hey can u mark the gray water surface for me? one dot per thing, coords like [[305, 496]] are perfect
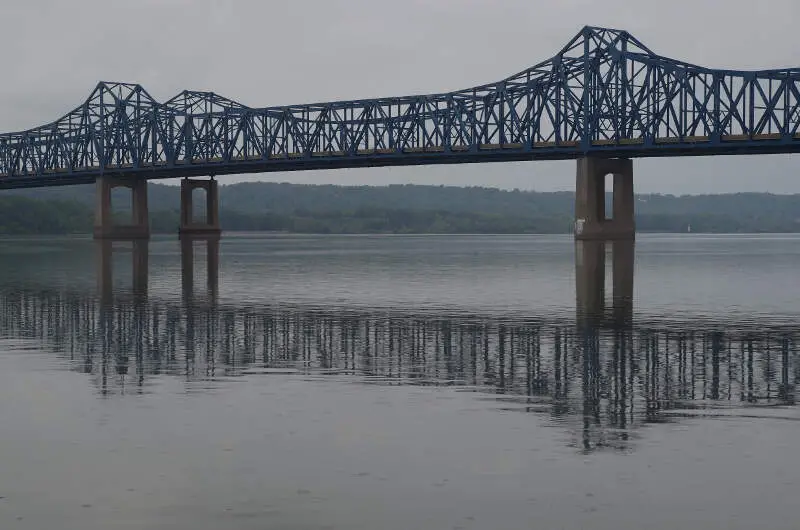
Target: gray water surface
[[395, 382]]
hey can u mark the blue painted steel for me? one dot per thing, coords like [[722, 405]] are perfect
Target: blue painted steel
[[604, 94]]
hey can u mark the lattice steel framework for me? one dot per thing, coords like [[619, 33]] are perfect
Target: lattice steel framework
[[603, 94]]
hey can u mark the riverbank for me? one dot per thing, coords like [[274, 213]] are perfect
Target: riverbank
[[402, 209]]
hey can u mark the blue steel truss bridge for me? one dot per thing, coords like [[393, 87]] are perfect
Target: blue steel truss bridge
[[603, 99]]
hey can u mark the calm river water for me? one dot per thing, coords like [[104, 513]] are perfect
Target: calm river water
[[400, 382]]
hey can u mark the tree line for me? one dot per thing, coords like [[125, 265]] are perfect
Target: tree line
[[397, 209]]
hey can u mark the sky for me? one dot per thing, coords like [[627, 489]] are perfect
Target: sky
[[264, 53]]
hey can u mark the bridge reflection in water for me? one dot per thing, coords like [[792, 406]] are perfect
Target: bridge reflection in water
[[600, 376]]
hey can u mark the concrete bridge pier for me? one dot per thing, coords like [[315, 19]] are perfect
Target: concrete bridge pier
[[188, 226], [104, 226], [591, 221]]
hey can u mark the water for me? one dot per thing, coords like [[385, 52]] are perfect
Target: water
[[399, 382]]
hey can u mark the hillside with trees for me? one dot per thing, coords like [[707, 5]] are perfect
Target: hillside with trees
[[298, 208]]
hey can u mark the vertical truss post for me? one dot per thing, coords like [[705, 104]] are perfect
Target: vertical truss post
[[588, 90]]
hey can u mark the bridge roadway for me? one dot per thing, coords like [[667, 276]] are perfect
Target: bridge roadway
[[603, 99]]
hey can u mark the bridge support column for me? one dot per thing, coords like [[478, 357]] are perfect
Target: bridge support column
[[104, 226], [590, 199], [188, 226]]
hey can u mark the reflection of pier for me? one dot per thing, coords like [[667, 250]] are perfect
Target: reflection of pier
[[590, 281], [140, 257], [109, 250], [188, 271]]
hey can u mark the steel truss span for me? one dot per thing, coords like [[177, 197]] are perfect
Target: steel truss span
[[604, 94]]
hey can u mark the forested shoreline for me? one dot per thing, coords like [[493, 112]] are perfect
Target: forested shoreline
[[400, 209]]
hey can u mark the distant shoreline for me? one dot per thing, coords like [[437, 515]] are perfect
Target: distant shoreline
[[88, 233], [398, 209]]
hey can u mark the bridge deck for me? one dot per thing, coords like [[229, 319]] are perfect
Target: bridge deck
[[508, 152]]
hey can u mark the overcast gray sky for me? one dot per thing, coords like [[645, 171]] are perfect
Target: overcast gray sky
[[263, 52]]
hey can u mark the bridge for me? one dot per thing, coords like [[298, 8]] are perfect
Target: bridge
[[604, 99]]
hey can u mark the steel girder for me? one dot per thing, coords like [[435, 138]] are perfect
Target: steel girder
[[604, 94]]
